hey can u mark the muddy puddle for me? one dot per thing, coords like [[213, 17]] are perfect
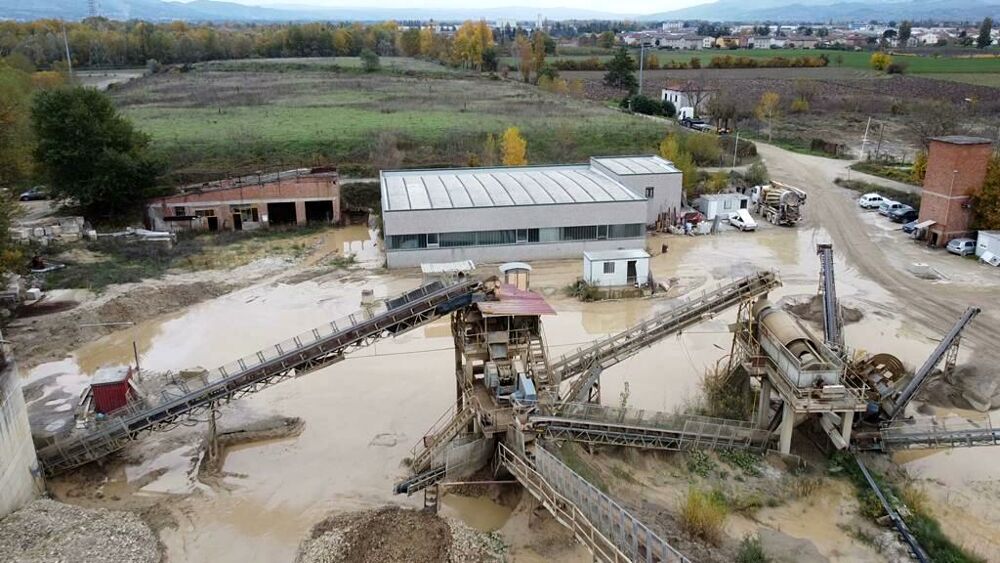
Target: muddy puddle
[[364, 414]]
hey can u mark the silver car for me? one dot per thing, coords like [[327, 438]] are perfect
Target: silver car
[[962, 246]]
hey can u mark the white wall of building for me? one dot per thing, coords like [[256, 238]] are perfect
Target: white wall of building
[[506, 253], [667, 190], [722, 205], [595, 272]]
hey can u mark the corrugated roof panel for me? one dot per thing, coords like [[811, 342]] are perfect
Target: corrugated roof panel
[[459, 196], [572, 188], [417, 193], [476, 191], [537, 192], [497, 192], [615, 190], [587, 182], [437, 193], [395, 190], [514, 189], [627, 165], [614, 165], [554, 189]]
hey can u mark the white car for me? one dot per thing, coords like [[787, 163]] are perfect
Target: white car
[[870, 201], [888, 206], [742, 220]]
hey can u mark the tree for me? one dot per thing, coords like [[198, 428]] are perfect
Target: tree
[[905, 32], [697, 92], [621, 71], [15, 128], [513, 148], [491, 151], [932, 119], [385, 153], [799, 105], [880, 60], [704, 149], [717, 182], [91, 154], [369, 60], [668, 109], [986, 202], [756, 175], [984, 39], [919, 170], [538, 51], [606, 40], [522, 49], [671, 150], [767, 110]]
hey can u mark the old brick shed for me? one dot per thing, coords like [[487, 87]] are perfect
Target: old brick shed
[[956, 169], [301, 196]]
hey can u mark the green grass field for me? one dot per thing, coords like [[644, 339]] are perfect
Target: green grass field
[[209, 123], [850, 59]]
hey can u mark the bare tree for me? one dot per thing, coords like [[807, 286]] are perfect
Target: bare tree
[[697, 91], [385, 153], [932, 119]]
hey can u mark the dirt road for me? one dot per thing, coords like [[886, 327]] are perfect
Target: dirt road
[[833, 208]]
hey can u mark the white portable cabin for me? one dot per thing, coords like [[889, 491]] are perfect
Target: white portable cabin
[[711, 205], [988, 247], [616, 268]]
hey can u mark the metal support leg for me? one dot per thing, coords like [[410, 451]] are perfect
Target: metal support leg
[[213, 436], [787, 424], [845, 427], [764, 403]]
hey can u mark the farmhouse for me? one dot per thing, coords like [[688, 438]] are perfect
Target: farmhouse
[[525, 212], [293, 197]]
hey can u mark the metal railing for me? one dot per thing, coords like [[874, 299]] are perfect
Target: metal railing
[[939, 433], [615, 348], [308, 351]]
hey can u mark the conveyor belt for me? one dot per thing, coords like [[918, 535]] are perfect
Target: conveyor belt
[[318, 348], [832, 324]]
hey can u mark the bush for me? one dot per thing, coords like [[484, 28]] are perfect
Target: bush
[[898, 67], [880, 61], [704, 516], [643, 104], [668, 109], [800, 105], [751, 551], [757, 174], [704, 149]]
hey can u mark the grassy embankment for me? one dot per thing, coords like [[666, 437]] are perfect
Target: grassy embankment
[[241, 116]]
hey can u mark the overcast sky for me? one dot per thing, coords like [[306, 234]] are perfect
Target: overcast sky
[[623, 7]]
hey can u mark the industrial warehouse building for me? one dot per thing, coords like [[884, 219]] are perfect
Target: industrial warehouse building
[[525, 212], [293, 197]]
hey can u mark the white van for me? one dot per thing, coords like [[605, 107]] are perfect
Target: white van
[[742, 220], [870, 201]]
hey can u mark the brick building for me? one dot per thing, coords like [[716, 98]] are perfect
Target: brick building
[[956, 169], [292, 197]]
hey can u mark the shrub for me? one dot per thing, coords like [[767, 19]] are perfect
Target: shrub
[[643, 104], [800, 105], [898, 67], [668, 109], [880, 61], [704, 516], [704, 149], [919, 168], [751, 551], [757, 174]]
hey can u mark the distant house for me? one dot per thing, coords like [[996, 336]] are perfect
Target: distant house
[[929, 38], [802, 42], [707, 42], [293, 197], [683, 97]]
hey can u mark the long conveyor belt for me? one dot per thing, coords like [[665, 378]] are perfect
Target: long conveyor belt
[[615, 348], [832, 323], [306, 352]]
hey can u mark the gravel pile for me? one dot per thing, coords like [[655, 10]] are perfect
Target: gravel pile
[[49, 531], [397, 535]]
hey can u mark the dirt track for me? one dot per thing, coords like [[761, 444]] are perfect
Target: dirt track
[[831, 208]]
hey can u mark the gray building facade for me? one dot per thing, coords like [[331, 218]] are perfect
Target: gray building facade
[[652, 177], [506, 213]]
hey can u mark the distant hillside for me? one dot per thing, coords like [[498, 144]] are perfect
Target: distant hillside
[[829, 10], [215, 10]]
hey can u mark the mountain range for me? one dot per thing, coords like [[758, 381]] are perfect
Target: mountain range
[[818, 11]]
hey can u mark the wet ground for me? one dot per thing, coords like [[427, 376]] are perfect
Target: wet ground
[[362, 415]]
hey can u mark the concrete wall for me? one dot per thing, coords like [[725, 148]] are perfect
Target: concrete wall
[[667, 190], [593, 272], [954, 172], [18, 465], [506, 253], [512, 217]]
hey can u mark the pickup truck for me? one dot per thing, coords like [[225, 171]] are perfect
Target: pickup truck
[[696, 124]]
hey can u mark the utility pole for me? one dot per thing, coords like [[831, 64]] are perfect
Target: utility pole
[[642, 60], [864, 140], [69, 61], [736, 147]]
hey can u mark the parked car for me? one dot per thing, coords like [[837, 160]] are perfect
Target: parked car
[[911, 226], [742, 220], [888, 206], [870, 200], [962, 246], [904, 214], [35, 193]]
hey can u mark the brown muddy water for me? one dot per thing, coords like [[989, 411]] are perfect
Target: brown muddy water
[[363, 415]]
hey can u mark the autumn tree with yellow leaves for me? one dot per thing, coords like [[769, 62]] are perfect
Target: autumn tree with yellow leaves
[[471, 41], [513, 148]]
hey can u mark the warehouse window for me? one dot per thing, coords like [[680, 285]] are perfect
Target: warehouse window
[[404, 242], [649, 192], [609, 267], [632, 230], [588, 232], [602, 232], [514, 236], [432, 239], [522, 236]]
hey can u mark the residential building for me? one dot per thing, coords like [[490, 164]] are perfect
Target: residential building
[[802, 42], [502, 214], [293, 197], [650, 177], [956, 169], [707, 42], [682, 97]]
